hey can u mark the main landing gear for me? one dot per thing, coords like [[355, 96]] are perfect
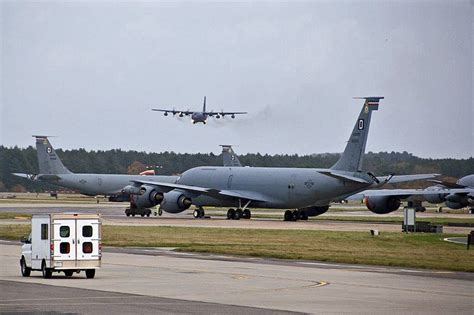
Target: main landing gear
[[199, 213], [237, 214], [135, 211], [295, 215]]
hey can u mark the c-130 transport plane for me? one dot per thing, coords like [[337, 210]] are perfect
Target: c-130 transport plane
[[198, 117]]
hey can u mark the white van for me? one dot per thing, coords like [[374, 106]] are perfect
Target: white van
[[62, 242]]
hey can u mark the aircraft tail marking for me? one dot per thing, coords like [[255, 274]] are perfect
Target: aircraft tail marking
[[352, 158], [48, 160]]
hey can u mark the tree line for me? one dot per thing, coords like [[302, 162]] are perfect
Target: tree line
[[24, 160]]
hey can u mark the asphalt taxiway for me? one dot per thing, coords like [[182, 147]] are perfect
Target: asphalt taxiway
[[154, 279]]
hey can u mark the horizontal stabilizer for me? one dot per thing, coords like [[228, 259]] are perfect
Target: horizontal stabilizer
[[344, 177]]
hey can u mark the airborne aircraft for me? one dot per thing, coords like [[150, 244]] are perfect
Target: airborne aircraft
[[199, 117]]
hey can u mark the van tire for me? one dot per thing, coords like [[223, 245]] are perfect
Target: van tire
[[68, 273], [25, 271], [90, 273], [47, 273]]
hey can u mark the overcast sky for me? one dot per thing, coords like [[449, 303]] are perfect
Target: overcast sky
[[89, 73]]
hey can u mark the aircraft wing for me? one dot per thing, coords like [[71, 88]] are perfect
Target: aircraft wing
[[232, 113], [406, 193], [173, 111], [216, 193], [405, 178], [447, 184]]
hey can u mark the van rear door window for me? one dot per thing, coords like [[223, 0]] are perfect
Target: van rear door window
[[87, 231], [64, 231], [64, 248]]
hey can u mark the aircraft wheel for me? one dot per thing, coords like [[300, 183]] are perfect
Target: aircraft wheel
[[303, 215], [246, 214], [142, 214], [230, 214], [148, 213], [25, 271], [133, 214], [238, 214], [202, 213], [160, 212], [127, 212], [196, 213], [68, 273], [288, 215], [296, 215]]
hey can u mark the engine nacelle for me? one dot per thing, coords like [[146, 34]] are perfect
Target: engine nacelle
[[382, 204], [131, 190], [434, 198], [314, 211], [148, 197], [454, 201], [119, 198], [175, 201]]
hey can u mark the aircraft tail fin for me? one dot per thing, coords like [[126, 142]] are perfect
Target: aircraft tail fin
[[48, 160], [352, 158], [229, 158], [204, 105]]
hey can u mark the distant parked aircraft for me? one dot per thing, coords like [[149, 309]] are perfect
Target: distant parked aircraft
[[198, 117]]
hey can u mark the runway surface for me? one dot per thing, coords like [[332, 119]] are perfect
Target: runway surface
[[112, 214], [157, 275]]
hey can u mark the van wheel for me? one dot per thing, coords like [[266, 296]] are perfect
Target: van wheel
[[90, 273], [25, 271], [47, 273], [68, 273]]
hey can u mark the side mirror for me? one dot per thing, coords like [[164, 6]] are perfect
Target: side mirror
[[25, 240]]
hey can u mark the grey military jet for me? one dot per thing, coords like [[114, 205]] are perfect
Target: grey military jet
[[309, 191], [198, 117], [119, 188], [455, 195]]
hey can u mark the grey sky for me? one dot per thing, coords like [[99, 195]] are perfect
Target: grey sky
[[89, 72]]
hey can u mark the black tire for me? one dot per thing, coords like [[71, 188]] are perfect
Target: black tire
[[238, 214], [202, 213], [296, 215], [47, 273], [68, 273], [247, 214], [128, 214], [303, 215], [230, 214], [288, 215], [142, 214], [133, 214], [160, 211], [90, 273], [25, 271], [196, 213]]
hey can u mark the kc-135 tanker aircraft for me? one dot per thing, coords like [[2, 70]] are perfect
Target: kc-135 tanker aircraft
[[302, 192]]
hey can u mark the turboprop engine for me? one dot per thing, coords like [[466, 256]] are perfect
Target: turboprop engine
[[148, 197], [382, 204], [175, 201]]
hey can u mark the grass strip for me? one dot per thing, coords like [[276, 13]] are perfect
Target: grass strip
[[389, 249]]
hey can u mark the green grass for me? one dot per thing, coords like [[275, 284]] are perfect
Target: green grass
[[389, 249], [13, 215]]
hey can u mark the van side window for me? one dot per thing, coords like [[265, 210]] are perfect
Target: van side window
[[87, 231], [64, 231], [44, 231]]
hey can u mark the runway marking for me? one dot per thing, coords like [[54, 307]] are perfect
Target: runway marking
[[70, 298]]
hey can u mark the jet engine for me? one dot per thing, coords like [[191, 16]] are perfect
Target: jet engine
[[131, 190], [175, 201], [314, 211], [434, 198], [382, 204], [455, 201], [148, 197]]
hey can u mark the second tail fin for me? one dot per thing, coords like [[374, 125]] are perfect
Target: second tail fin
[[351, 159], [48, 160]]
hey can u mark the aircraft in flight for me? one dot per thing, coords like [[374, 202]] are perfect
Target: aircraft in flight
[[455, 195], [309, 191], [198, 117]]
